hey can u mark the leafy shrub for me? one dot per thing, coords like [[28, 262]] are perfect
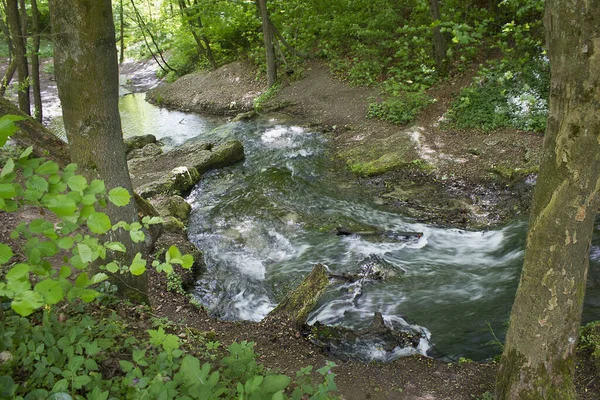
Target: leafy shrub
[[56, 349], [401, 110]]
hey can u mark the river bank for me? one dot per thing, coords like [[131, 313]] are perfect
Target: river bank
[[427, 170], [281, 346]]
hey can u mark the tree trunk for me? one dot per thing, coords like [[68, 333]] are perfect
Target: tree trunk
[[122, 31], [32, 133], [538, 358], [35, 62], [439, 44], [10, 72], [202, 42], [87, 77], [14, 22], [268, 39]]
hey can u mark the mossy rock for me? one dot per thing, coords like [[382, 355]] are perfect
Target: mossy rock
[[177, 182], [138, 142], [298, 304], [172, 224], [174, 206]]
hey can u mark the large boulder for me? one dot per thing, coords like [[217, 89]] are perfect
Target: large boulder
[[178, 181], [138, 142], [177, 171], [174, 206]]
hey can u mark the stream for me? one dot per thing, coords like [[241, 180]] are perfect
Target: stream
[[264, 223]]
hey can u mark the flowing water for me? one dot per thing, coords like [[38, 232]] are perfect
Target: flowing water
[[264, 223]]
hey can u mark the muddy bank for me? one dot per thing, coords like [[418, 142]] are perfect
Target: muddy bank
[[427, 170], [229, 90]]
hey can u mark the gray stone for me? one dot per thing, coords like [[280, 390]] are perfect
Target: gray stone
[[138, 142]]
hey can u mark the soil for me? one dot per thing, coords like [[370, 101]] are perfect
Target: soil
[[319, 99]]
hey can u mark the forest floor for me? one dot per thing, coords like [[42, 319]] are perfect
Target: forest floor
[[463, 173]]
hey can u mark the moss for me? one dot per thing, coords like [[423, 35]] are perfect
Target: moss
[[387, 162], [512, 173], [301, 301]]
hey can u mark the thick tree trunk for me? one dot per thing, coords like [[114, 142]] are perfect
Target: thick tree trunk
[[538, 358], [439, 43], [87, 77], [14, 22], [268, 39], [35, 62]]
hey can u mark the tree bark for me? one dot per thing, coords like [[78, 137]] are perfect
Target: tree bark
[[538, 359], [14, 22], [35, 62], [268, 40], [439, 43], [122, 31], [32, 133], [87, 77]]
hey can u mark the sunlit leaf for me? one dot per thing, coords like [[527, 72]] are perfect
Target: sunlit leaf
[[5, 253], [26, 302], [98, 222], [119, 196], [51, 290]]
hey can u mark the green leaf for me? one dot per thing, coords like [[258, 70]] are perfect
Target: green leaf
[[138, 266], [51, 290], [77, 183], [7, 191], [88, 199], [81, 381], [47, 168], [8, 168], [85, 252], [99, 223], [5, 253], [60, 396], [137, 236], [97, 186], [61, 386], [112, 267], [116, 246], [26, 302], [275, 383], [119, 196], [61, 205], [66, 243], [82, 280], [65, 272], [37, 183], [39, 225], [26, 153], [54, 179], [7, 387], [187, 261], [91, 365], [172, 253], [126, 366], [97, 278]]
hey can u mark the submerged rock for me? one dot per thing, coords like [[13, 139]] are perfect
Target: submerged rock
[[379, 341]]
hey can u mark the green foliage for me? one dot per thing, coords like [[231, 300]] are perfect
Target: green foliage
[[264, 97], [86, 355], [505, 95], [589, 339], [401, 110]]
